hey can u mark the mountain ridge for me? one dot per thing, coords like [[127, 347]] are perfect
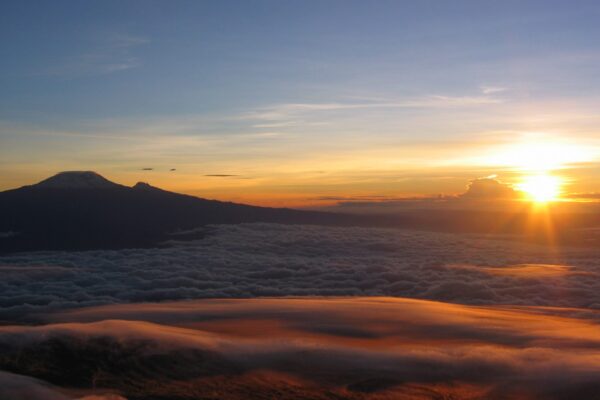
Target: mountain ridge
[[82, 210]]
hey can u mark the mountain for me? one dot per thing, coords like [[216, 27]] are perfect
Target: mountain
[[79, 210], [77, 180]]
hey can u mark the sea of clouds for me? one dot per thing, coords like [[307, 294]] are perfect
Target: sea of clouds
[[279, 311], [311, 348], [255, 260]]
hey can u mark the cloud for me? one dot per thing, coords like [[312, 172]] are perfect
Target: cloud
[[290, 111], [536, 271], [368, 198], [482, 194], [584, 196], [486, 89], [113, 52], [351, 348], [251, 260], [220, 175], [105, 319], [17, 387], [490, 189]]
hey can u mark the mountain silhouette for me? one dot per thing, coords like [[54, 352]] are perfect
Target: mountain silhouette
[[81, 210], [78, 210]]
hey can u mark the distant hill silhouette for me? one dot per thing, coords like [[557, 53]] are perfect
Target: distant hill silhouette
[[83, 210]]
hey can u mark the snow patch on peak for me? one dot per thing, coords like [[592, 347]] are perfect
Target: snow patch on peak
[[77, 180]]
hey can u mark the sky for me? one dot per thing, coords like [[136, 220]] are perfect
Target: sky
[[297, 103]]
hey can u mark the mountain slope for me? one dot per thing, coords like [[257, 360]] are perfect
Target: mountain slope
[[83, 210]]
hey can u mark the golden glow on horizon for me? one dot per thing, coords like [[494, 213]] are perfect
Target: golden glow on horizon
[[541, 156], [536, 159], [541, 188], [385, 172]]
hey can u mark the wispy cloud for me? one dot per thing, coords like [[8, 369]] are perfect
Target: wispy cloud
[[109, 54], [287, 110], [220, 175], [486, 89]]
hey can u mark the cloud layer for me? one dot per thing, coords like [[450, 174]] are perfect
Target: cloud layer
[[345, 348], [19, 387], [104, 324], [250, 260]]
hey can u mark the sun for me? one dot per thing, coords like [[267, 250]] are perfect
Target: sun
[[541, 188], [541, 164]]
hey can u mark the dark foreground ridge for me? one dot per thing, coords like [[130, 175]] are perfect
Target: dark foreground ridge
[[80, 210]]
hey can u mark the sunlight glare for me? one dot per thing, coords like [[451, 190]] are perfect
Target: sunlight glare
[[541, 188], [541, 157]]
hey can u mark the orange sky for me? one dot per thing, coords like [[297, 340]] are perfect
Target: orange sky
[[373, 172]]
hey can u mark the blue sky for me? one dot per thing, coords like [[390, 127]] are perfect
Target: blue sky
[[262, 89]]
